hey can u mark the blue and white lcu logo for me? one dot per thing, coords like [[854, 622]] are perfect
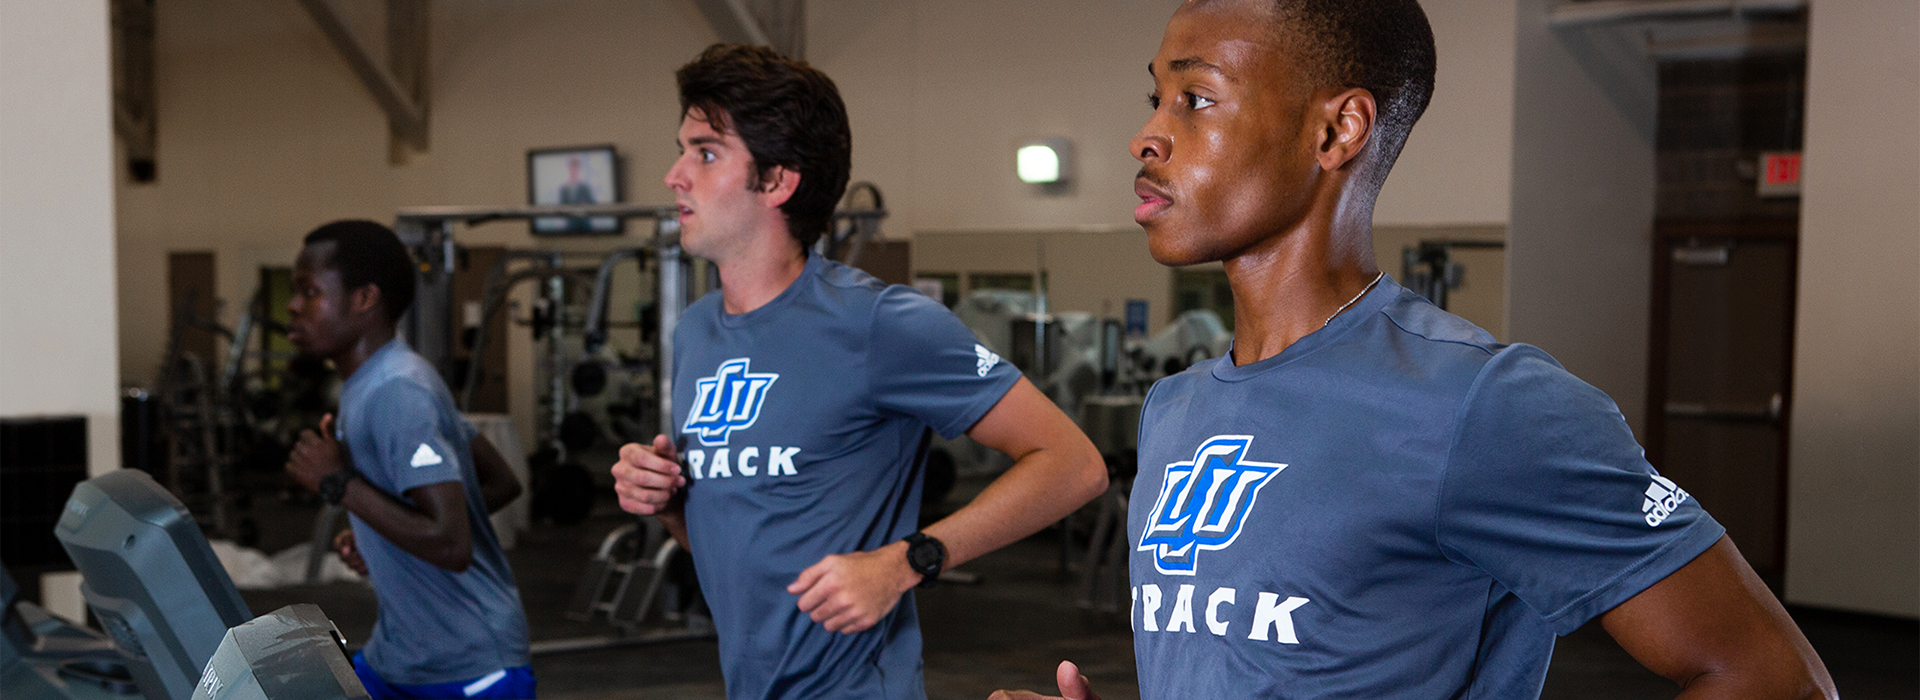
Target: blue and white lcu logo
[[727, 401], [1204, 503]]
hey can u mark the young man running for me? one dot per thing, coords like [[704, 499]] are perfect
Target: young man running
[[1371, 498], [415, 477], [803, 389]]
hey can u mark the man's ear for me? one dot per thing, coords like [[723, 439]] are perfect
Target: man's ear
[[1346, 125], [777, 185], [364, 298]]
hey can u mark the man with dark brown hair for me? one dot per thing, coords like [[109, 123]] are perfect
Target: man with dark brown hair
[[1372, 498], [804, 390]]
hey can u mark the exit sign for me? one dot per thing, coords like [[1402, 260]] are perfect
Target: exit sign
[[1779, 175]]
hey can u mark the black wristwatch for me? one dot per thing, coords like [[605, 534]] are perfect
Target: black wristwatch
[[333, 487], [926, 556]]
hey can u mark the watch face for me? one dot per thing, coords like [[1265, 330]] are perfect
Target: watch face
[[333, 487], [924, 555]]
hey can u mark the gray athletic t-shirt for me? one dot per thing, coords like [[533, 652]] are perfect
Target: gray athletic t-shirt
[[435, 626], [800, 426], [1396, 506]]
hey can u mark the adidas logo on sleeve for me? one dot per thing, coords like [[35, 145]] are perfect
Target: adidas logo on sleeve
[[985, 359], [425, 457], [1663, 497]]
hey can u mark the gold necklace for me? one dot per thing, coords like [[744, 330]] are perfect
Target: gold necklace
[[1356, 297]]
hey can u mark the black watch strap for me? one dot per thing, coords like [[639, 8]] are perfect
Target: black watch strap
[[926, 556], [333, 487]]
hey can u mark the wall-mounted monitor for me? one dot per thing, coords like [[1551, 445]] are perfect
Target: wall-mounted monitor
[[574, 175]]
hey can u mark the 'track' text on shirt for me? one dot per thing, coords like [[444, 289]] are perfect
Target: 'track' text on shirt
[[727, 462], [1272, 617]]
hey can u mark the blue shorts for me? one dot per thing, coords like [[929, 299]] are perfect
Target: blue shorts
[[510, 683]]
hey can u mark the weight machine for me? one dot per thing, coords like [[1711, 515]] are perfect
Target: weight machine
[[1429, 268], [218, 423]]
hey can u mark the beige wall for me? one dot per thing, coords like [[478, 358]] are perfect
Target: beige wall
[[1457, 167], [942, 92], [1854, 494], [1577, 250], [56, 219]]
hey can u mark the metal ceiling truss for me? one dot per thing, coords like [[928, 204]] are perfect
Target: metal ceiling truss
[[1575, 13], [133, 86], [781, 24], [402, 87], [1669, 30], [1620, 43]]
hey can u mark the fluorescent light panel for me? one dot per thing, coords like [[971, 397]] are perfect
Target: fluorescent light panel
[[1038, 163]]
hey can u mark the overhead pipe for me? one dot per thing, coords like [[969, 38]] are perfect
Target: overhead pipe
[[1569, 15]]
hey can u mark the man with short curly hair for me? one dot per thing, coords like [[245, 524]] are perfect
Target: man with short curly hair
[[417, 480], [804, 390], [1370, 497]]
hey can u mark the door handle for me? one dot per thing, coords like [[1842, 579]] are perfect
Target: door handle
[[1768, 412]]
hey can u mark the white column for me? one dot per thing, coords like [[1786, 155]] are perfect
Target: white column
[[58, 344], [1853, 499]]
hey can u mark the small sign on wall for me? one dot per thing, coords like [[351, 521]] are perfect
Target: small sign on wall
[[1779, 174], [1136, 318]]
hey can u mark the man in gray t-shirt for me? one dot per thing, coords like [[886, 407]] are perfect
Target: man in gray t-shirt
[[1370, 497], [415, 477], [802, 392]]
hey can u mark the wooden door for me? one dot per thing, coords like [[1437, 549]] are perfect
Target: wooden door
[[1721, 375], [190, 292]]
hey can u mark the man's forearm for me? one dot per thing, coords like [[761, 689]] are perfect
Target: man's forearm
[[1055, 470], [1042, 487], [443, 542]]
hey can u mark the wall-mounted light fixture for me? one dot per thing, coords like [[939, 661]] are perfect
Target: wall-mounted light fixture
[[1046, 162]]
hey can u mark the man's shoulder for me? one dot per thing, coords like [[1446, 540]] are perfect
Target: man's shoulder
[[402, 383], [1436, 352], [839, 275], [1413, 315], [892, 308], [402, 369]]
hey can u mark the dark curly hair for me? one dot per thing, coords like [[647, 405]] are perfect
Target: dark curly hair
[[365, 252], [1384, 46], [788, 113]]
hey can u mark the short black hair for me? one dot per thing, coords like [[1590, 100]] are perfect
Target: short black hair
[[788, 113], [366, 252], [1384, 46]]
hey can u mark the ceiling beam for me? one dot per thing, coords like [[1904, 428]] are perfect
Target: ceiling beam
[[780, 24], [402, 92], [1592, 12], [134, 93], [408, 58]]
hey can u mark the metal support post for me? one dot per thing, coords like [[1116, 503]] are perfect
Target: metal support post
[[672, 300]]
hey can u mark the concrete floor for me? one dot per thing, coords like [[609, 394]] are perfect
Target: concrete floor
[[1012, 628]]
